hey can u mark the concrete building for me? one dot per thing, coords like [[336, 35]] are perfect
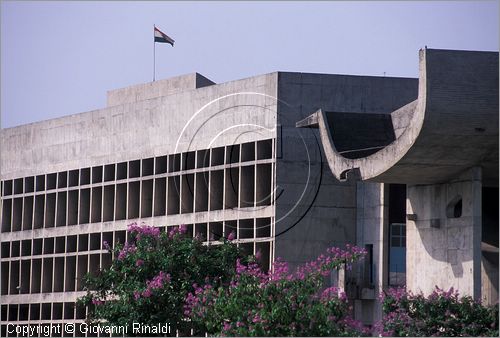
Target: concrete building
[[444, 147], [216, 157]]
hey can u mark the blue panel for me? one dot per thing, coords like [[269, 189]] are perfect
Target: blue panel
[[397, 259]]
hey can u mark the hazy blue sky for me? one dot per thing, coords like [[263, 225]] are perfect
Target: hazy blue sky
[[60, 58]]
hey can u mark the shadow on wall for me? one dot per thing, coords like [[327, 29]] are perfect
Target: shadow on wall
[[489, 244], [445, 216], [444, 220]]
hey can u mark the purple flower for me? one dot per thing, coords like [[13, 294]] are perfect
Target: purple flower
[[143, 230], [174, 231], [329, 293], [105, 244], [139, 262], [231, 236], [97, 302], [257, 319], [240, 268], [158, 281], [146, 293], [127, 248], [280, 269]]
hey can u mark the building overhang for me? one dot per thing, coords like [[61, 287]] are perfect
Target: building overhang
[[452, 126]]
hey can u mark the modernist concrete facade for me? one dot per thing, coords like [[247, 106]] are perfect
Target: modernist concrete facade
[[216, 157], [444, 147]]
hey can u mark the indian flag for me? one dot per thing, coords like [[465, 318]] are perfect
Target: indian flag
[[162, 37]]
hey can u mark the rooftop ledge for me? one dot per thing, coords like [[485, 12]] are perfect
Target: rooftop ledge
[[150, 90]]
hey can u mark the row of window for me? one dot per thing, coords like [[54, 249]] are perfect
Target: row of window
[[44, 311], [46, 270], [237, 153], [65, 273], [243, 229], [237, 187]]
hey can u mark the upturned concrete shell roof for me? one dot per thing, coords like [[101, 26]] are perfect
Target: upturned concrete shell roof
[[452, 126]]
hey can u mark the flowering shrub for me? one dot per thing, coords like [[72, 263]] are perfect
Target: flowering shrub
[[443, 313], [151, 275], [277, 303]]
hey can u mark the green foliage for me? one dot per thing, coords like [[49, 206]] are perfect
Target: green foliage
[[443, 313], [278, 303], [170, 278], [151, 275]]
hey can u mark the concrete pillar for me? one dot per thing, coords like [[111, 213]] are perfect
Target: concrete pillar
[[444, 235], [371, 232]]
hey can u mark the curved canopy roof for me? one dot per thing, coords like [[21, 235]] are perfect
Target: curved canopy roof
[[452, 126]]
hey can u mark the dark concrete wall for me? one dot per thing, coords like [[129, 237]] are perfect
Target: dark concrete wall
[[331, 210]]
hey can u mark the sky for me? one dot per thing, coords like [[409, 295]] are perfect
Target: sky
[[60, 58]]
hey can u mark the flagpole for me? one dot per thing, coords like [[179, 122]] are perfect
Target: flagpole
[[154, 54]]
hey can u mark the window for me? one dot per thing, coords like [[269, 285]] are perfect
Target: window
[[397, 254]]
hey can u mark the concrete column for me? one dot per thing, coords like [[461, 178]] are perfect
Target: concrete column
[[371, 231], [444, 235]]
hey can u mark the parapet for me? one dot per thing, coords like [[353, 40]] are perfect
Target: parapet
[[150, 90]]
